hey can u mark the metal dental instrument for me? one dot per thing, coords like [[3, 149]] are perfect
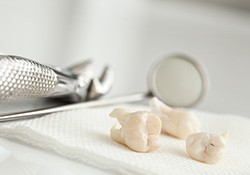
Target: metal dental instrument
[[177, 80], [22, 78]]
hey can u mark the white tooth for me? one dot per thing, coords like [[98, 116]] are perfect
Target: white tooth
[[177, 122], [120, 114], [115, 133], [140, 131], [205, 147]]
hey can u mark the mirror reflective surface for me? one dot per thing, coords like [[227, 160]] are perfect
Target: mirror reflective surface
[[178, 80]]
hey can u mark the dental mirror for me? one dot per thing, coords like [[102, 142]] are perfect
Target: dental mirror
[[178, 80]]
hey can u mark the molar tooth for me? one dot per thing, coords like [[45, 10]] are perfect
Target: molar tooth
[[120, 114], [177, 122], [140, 131], [205, 147]]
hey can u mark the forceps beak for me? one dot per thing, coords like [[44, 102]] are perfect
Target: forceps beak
[[84, 68], [101, 86], [98, 86]]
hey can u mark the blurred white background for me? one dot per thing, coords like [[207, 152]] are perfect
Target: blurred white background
[[129, 35]]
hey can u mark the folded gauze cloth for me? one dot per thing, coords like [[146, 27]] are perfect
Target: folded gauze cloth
[[84, 135]]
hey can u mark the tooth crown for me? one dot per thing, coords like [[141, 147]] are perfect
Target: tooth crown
[[139, 130], [206, 147]]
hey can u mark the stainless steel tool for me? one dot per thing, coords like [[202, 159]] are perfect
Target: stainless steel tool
[[23, 78]]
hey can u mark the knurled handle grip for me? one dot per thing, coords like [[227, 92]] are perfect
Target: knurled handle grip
[[24, 78]]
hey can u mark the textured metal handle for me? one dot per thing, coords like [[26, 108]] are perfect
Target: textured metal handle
[[23, 78]]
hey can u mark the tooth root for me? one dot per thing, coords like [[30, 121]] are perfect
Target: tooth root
[[115, 134], [120, 114], [157, 105], [176, 122]]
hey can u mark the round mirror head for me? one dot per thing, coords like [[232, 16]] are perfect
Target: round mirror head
[[178, 81]]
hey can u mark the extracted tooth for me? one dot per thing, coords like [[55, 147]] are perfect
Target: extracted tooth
[[140, 131], [206, 147], [177, 122], [115, 133], [120, 114]]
